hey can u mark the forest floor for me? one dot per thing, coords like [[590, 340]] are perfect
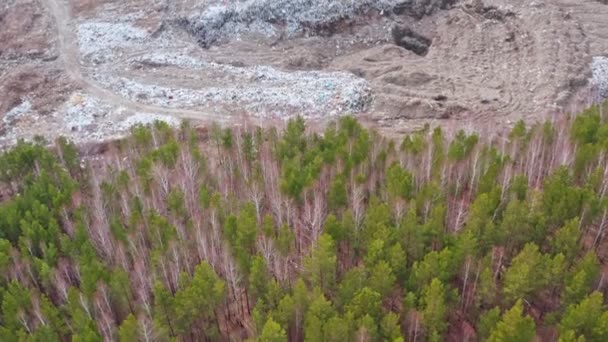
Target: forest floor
[[89, 69]]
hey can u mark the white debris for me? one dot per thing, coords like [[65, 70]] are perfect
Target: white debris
[[147, 119], [81, 112], [87, 119], [262, 91], [95, 36], [14, 114], [158, 59], [222, 19], [101, 42], [599, 67]]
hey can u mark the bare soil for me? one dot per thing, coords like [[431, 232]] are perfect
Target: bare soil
[[26, 31], [90, 68], [34, 81]]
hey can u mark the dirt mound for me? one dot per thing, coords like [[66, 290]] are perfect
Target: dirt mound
[[478, 69]]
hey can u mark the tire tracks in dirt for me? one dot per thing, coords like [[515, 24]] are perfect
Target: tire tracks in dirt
[[593, 16]]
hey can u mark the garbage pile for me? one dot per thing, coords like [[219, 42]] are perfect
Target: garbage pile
[[220, 21]]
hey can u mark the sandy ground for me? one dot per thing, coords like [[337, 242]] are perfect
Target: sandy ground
[[89, 69]]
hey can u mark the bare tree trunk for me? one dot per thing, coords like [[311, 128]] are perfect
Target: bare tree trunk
[[465, 282]]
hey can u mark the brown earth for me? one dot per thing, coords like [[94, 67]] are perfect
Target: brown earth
[[29, 70], [25, 31], [476, 65], [44, 86]]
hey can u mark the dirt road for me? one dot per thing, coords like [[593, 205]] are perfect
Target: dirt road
[[70, 55]]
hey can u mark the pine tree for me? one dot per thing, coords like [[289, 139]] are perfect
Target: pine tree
[[514, 326], [366, 302], [399, 182], [120, 290], [486, 290], [353, 281], [561, 200], [397, 261], [480, 219], [516, 225], [128, 330], [82, 324], [336, 229], [441, 265], [199, 298], [581, 279], [53, 316], [258, 277], [389, 327], [272, 332], [487, 323], [285, 240], [338, 329], [526, 275], [367, 329], [16, 303], [245, 237], [587, 318], [337, 197], [434, 308], [565, 240], [321, 264], [319, 312], [285, 312], [5, 254], [381, 278], [376, 224], [164, 309]]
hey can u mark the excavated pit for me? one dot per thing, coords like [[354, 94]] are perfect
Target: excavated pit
[[406, 38]]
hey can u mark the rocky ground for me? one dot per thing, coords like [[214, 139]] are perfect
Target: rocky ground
[[89, 69]]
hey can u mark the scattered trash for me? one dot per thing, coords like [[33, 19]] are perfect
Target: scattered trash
[[221, 21], [599, 68], [262, 91]]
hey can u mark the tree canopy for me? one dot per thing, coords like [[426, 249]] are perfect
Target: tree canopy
[[340, 234]]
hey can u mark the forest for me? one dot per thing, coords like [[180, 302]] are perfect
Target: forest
[[287, 234]]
